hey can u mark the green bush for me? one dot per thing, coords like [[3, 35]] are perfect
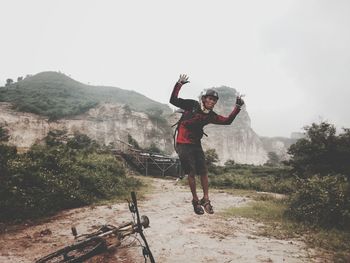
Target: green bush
[[321, 160], [49, 178], [6, 152], [323, 201], [322, 151]]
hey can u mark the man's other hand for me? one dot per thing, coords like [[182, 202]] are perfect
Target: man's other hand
[[183, 79], [239, 101]]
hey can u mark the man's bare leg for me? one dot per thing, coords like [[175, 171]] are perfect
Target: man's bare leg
[[192, 184], [205, 186], [205, 201], [195, 201]]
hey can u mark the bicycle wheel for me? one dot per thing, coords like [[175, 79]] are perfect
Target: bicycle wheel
[[77, 252]]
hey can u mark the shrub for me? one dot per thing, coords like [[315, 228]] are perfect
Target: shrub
[[211, 157], [323, 201], [133, 142], [58, 176], [229, 163], [153, 148], [6, 152]]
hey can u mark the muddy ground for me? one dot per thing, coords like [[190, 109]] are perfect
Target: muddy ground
[[176, 233]]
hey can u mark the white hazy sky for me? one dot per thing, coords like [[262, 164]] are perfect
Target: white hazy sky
[[290, 58]]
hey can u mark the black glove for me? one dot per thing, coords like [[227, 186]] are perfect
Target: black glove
[[239, 101]]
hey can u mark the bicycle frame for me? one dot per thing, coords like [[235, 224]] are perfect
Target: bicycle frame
[[95, 243]]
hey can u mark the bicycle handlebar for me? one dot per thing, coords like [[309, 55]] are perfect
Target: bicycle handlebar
[[139, 226]]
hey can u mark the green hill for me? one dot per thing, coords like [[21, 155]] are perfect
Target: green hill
[[56, 95]]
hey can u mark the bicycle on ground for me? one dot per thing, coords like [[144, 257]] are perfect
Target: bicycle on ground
[[105, 238]]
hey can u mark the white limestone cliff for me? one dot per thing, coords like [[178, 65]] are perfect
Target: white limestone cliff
[[105, 123]]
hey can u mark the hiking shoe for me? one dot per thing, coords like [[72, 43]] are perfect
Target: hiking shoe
[[207, 206], [197, 207]]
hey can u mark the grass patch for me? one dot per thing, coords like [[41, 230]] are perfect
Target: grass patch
[[254, 179], [266, 211], [272, 213]]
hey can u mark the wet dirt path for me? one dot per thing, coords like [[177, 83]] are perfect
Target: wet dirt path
[[176, 233]]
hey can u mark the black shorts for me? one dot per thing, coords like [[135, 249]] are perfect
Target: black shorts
[[192, 159]]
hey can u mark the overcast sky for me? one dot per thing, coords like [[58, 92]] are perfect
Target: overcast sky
[[290, 58]]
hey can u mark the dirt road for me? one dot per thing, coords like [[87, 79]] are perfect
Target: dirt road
[[176, 233]]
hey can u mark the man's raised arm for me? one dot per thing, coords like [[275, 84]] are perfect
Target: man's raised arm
[[178, 102], [221, 120]]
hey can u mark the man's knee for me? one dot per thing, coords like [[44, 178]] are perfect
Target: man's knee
[[191, 174]]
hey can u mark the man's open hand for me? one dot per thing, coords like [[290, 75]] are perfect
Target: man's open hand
[[183, 79], [239, 101]]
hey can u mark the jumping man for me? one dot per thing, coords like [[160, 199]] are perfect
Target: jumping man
[[190, 132]]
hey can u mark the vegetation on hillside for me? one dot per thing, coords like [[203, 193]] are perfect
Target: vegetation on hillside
[[64, 173], [56, 95]]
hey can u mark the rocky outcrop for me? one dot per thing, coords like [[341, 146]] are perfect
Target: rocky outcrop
[[111, 122], [237, 141], [279, 145], [119, 113], [106, 123]]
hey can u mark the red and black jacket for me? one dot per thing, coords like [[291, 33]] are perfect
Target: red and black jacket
[[190, 127]]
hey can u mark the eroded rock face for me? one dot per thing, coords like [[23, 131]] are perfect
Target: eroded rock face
[[106, 123], [233, 143], [237, 141], [279, 145], [109, 123]]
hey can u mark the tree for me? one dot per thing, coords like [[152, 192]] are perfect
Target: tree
[[9, 82], [55, 137], [79, 141], [321, 161], [343, 152], [321, 151], [4, 136], [154, 148], [211, 157], [229, 163], [6, 152], [273, 159], [133, 142]]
